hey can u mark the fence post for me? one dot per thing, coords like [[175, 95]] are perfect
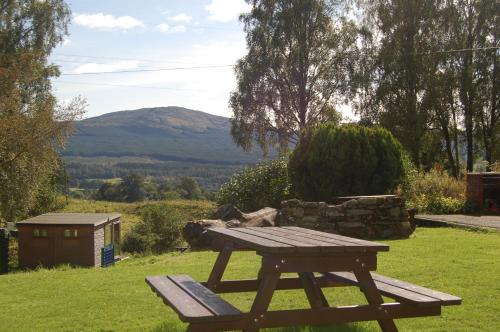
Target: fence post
[[4, 251]]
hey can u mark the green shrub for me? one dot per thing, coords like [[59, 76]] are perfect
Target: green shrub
[[434, 192], [158, 231], [347, 160], [254, 188]]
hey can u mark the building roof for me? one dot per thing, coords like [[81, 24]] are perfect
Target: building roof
[[95, 219]]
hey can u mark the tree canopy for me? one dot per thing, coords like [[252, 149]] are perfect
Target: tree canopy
[[295, 73], [32, 123]]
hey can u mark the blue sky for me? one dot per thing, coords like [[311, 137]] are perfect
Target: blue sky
[[125, 35]]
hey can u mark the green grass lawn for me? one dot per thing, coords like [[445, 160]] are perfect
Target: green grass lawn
[[460, 262]]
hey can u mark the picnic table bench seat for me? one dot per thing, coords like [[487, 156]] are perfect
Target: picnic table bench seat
[[400, 290], [192, 301]]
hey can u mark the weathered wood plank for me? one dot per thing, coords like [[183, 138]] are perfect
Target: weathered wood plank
[[354, 242], [204, 296], [255, 242], [397, 293], [186, 307], [446, 299], [322, 316], [327, 245], [301, 246]]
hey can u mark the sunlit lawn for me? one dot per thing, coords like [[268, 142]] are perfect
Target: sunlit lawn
[[460, 262]]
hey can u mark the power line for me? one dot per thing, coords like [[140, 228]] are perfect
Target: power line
[[129, 59], [137, 86], [225, 66], [146, 70]]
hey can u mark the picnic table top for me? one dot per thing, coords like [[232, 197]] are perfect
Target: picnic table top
[[288, 240]]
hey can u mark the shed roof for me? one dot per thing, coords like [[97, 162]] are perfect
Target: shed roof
[[95, 219]]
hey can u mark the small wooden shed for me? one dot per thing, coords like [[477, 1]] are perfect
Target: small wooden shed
[[67, 238]]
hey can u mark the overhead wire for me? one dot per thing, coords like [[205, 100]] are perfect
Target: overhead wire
[[136, 86], [146, 70]]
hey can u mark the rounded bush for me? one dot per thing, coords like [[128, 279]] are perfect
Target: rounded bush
[[160, 230], [332, 161], [254, 188]]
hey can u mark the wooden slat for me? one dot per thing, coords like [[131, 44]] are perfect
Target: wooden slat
[[251, 285], [327, 245], [301, 246], [446, 299], [355, 242], [397, 293], [204, 296], [319, 263], [251, 241], [324, 316], [186, 307]]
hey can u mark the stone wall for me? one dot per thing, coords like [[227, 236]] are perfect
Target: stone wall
[[368, 217], [98, 245]]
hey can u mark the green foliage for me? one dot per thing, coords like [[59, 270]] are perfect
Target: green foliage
[[134, 188], [348, 160], [257, 187], [188, 188], [434, 192], [158, 231], [32, 125], [299, 65]]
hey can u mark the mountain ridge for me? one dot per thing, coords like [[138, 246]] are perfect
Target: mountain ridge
[[164, 133]]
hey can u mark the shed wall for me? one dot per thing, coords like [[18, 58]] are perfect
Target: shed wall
[[98, 244], [55, 249]]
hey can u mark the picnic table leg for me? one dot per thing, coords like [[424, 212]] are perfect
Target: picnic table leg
[[374, 298], [219, 266], [267, 286], [313, 292]]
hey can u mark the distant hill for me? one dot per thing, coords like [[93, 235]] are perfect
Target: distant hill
[[163, 133]]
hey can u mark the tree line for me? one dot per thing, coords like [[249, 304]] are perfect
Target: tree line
[[425, 70]]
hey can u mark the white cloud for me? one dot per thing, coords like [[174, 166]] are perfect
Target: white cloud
[[162, 27], [107, 67], [226, 10], [167, 28], [181, 18], [103, 21], [178, 28]]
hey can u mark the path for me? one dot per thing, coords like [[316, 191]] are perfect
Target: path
[[484, 222]]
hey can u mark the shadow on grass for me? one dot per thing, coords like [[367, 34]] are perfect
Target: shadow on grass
[[169, 327]]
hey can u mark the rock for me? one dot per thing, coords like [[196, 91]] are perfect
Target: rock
[[395, 213], [358, 212], [368, 201], [194, 232], [227, 212], [334, 211], [352, 204], [291, 203]]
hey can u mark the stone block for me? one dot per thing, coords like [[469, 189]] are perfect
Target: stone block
[[352, 204], [368, 201], [310, 219], [395, 213], [311, 205], [291, 203], [334, 211], [357, 212]]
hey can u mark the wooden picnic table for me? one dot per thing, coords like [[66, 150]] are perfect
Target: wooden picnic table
[[320, 260]]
